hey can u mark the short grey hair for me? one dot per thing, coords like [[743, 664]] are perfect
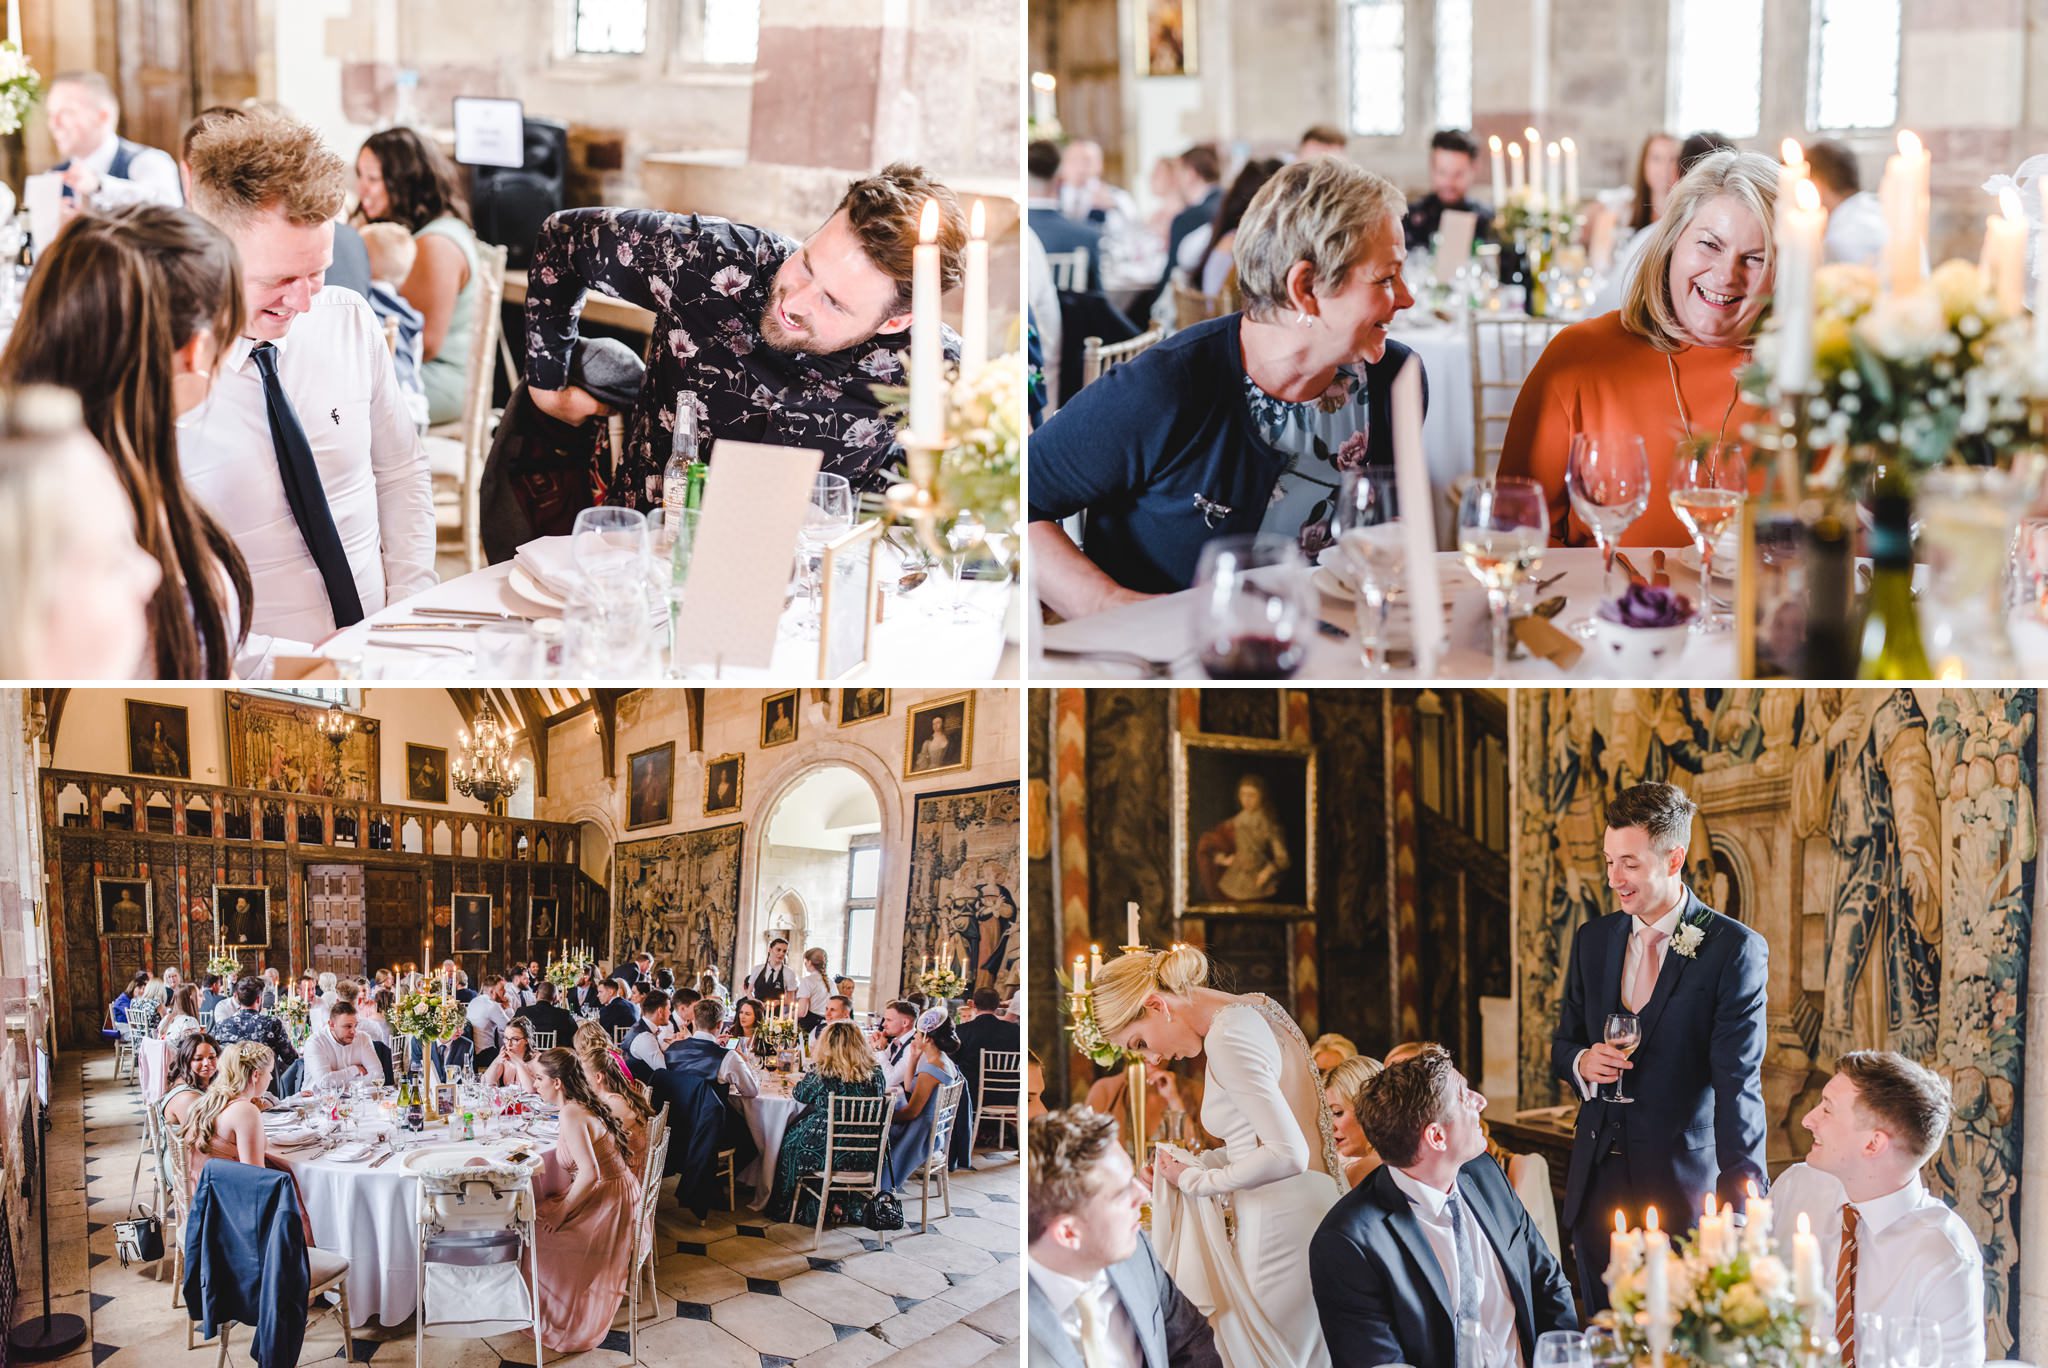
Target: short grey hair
[[93, 84], [1321, 210], [1647, 309]]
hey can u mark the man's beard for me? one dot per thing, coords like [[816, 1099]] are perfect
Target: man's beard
[[778, 338]]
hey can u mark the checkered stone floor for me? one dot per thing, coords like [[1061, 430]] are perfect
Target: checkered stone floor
[[736, 1292]]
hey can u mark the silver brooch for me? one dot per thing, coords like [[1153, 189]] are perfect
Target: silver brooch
[[1213, 513]]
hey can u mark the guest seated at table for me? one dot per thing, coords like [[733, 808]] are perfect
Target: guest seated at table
[[1212, 269], [303, 451], [1856, 230], [587, 1224], [1060, 233], [545, 1015], [194, 1060], [101, 169], [1196, 437], [1084, 194], [842, 1065], [744, 1033], [1453, 153], [133, 310], [1656, 174], [1341, 1087], [698, 1079], [741, 312], [1878, 1121], [624, 1095], [591, 1035], [649, 1036], [487, 1017], [892, 1043], [614, 1011], [226, 1122], [1688, 154], [1322, 140], [339, 1053], [404, 179], [1199, 171], [1664, 366], [1170, 1100], [246, 1023], [513, 1068], [181, 1017], [373, 1016], [117, 1011], [910, 1128], [1330, 1050]]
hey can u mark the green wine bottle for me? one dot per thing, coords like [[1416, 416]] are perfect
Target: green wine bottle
[[1891, 622]]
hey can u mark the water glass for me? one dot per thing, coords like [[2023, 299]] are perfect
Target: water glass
[[1562, 1349], [1366, 524], [1251, 608], [1909, 1342], [1608, 480], [966, 532], [828, 517], [1709, 481], [504, 650], [1503, 530], [609, 544]]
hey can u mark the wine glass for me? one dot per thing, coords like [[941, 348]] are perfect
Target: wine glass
[[1562, 1349], [1709, 481], [1367, 525], [1624, 1032], [1503, 528], [828, 517], [609, 544], [1250, 609], [1911, 1341], [964, 534], [1608, 479]]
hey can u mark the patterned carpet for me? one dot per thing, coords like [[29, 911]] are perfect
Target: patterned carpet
[[736, 1293]]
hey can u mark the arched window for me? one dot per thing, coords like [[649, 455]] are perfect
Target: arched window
[[1375, 34]]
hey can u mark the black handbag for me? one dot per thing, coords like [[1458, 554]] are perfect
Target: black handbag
[[885, 1212], [139, 1239]]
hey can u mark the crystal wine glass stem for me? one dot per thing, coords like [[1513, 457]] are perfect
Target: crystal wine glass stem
[[1497, 605]]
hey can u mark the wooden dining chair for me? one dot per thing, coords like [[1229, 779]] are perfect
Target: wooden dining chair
[[1098, 359], [1069, 270], [1504, 348], [456, 450]]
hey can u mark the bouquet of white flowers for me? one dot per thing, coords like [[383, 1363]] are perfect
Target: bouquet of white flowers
[[941, 981], [292, 1012], [426, 1015], [1731, 1303], [980, 471], [564, 973], [20, 87], [227, 966]]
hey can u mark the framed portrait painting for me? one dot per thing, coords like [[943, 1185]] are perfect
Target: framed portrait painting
[[938, 736], [722, 779], [650, 785], [862, 705], [243, 913], [778, 718], [126, 908], [159, 739], [543, 919], [426, 773], [1244, 827], [1166, 37], [469, 924]]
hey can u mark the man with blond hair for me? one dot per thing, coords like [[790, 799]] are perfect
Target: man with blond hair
[[303, 449]]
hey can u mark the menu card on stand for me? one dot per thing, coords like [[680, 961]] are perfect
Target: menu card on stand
[[755, 498], [43, 196], [1453, 243], [1411, 478]]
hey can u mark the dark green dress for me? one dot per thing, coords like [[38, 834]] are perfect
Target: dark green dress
[[803, 1151]]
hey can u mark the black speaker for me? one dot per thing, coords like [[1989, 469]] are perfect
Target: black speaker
[[510, 205]]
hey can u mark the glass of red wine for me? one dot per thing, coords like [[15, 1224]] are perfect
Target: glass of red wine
[[1252, 614]]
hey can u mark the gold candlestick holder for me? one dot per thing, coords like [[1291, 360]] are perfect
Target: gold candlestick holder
[[916, 501]]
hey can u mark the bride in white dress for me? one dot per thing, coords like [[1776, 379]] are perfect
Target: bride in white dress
[[1278, 1166]]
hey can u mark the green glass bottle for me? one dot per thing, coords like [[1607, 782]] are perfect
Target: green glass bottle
[[1891, 622]]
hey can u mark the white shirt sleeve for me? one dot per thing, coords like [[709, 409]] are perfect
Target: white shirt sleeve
[[1244, 1060], [735, 1074], [152, 179], [405, 488], [647, 1050]]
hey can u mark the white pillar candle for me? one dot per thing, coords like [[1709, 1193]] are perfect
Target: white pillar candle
[[1535, 141], [927, 392], [2041, 295], [1806, 1284], [1905, 250], [1802, 227], [1080, 973], [1657, 1288], [1500, 171], [1094, 961], [1131, 923], [1044, 95], [1553, 175], [1756, 1232], [1619, 1246], [2005, 253], [1571, 173], [1712, 1227], [1792, 169], [1515, 181], [974, 296]]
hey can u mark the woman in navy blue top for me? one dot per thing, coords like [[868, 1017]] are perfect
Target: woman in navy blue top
[[1243, 423]]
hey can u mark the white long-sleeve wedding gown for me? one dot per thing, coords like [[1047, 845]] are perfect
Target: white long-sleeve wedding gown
[[1279, 1168]]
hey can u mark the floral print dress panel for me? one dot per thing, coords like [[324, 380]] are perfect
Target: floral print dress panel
[[1321, 439], [707, 281]]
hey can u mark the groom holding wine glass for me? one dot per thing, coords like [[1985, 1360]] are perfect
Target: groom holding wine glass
[[1678, 1112]]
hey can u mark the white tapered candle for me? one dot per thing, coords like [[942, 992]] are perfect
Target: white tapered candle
[[974, 296], [927, 393]]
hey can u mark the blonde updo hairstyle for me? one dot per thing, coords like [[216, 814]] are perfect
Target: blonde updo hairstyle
[[1125, 982], [1647, 309], [1348, 1078]]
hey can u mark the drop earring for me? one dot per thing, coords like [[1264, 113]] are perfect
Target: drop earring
[[1306, 321]]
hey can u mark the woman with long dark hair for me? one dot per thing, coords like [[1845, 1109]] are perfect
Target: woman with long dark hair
[[589, 1221], [133, 309], [404, 179], [1213, 269]]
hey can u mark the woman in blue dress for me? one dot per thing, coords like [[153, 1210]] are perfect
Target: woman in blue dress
[[910, 1132]]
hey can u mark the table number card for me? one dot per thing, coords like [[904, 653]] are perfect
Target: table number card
[[1411, 478], [846, 605], [753, 512], [43, 197], [1453, 243]]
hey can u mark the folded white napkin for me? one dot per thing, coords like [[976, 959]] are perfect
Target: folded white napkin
[[550, 563]]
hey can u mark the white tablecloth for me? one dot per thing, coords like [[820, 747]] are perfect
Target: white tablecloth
[[768, 1117], [152, 1059], [1446, 356]]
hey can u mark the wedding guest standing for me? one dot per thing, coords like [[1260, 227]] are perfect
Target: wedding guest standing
[[303, 450], [813, 991], [1664, 364], [1695, 1124], [404, 179], [1437, 1197], [101, 169], [133, 310], [1888, 1246], [781, 342], [587, 1213], [842, 1065], [1453, 155]]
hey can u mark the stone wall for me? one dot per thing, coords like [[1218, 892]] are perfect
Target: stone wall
[[24, 947]]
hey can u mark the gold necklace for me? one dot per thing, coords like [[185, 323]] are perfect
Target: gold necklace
[[1685, 419]]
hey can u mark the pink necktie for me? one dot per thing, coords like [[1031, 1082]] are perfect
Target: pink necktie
[[1646, 970]]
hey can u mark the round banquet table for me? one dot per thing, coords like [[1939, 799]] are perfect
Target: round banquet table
[[152, 1059], [768, 1116]]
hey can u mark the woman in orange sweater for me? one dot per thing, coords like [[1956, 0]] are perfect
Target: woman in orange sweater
[[1663, 366]]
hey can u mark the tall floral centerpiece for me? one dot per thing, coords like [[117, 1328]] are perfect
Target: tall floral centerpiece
[[564, 973], [20, 87], [1536, 214], [425, 1014], [1086, 1033], [291, 1010], [973, 475]]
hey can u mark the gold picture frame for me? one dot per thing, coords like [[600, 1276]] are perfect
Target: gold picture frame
[[426, 773], [1213, 826], [234, 921], [1164, 41], [120, 913], [159, 739], [954, 715], [467, 912], [718, 797], [781, 718], [848, 572], [862, 705], [650, 786]]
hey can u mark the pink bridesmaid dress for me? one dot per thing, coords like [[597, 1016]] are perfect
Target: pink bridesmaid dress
[[584, 1264]]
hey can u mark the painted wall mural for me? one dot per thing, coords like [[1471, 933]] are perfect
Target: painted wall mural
[[1883, 840], [965, 870], [679, 898], [274, 744]]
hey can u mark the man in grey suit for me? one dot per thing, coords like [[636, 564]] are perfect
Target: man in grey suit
[[1099, 1298]]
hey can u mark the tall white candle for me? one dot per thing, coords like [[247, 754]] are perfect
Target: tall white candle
[[927, 395], [1906, 180], [1802, 227], [1131, 924], [1080, 973], [1806, 1284], [1571, 173], [14, 37], [974, 296], [1657, 1287], [1756, 1232], [1553, 175], [1515, 181], [1535, 141], [2041, 294], [1500, 171], [1044, 94], [1094, 961], [2005, 253], [1713, 1226]]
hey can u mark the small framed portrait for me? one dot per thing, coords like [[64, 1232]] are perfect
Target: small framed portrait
[[426, 773], [159, 740], [444, 1098], [862, 705], [1244, 827], [846, 601], [722, 784], [778, 719], [243, 913], [543, 919], [651, 785], [938, 736], [126, 908], [470, 924], [1166, 37]]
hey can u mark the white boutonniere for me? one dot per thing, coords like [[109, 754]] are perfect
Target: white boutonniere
[[1687, 940]]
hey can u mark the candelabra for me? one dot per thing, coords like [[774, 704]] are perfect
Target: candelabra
[[916, 501], [486, 770]]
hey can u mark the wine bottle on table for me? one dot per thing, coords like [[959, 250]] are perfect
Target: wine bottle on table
[[1891, 622]]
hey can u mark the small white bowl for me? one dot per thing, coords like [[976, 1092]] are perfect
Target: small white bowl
[[1637, 652]]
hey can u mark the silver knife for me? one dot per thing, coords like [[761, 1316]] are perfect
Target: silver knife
[[453, 626], [478, 614], [387, 1154]]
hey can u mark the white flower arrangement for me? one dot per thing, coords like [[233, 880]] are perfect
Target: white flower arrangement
[[980, 472], [20, 87], [941, 981], [1728, 1299], [1686, 943]]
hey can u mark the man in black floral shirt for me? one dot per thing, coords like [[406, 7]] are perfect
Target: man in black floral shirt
[[782, 342], [250, 1024]]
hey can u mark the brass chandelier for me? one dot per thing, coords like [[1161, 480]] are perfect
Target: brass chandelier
[[485, 770]]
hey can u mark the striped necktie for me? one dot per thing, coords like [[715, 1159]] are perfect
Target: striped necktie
[[1468, 1272], [1845, 1288]]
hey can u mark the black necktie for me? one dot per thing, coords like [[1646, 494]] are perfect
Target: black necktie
[[302, 490]]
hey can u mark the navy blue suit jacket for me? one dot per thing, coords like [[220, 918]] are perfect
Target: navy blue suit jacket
[[1697, 1123], [1382, 1295]]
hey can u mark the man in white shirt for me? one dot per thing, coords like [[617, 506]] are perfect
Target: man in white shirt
[[102, 170], [893, 1044], [1856, 231], [650, 1034], [336, 1051], [1098, 1295], [488, 1019], [838, 1007], [303, 449], [1887, 1244]]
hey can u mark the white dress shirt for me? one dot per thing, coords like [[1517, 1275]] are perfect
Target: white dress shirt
[[338, 374], [646, 1046], [224, 1009], [1914, 1256], [1637, 946], [1856, 231], [737, 1075], [1502, 1343], [325, 1057], [152, 177], [898, 1060], [487, 1022], [812, 994], [1064, 1293]]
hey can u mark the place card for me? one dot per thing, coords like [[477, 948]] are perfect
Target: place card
[[1453, 243], [1541, 639], [846, 609], [755, 497]]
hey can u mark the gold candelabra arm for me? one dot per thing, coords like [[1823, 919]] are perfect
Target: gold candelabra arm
[[917, 501], [1135, 1076]]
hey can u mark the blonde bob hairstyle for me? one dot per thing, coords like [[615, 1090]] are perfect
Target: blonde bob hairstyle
[[1647, 309], [1330, 1040], [1348, 1078], [842, 1054], [1322, 210], [1125, 982]]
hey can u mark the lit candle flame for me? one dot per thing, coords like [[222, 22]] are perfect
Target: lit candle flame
[[1805, 1226], [977, 222], [1909, 143], [1531, 133], [1709, 1205], [1650, 1219], [1752, 1187], [1044, 80], [1515, 151], [1620, 1224], [1791, 152], [1493, 144], [1807, 196], [928, 225]]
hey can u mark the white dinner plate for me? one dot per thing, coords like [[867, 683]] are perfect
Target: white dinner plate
[[529, 588]]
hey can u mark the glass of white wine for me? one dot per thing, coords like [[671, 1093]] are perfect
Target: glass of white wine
[[1624, 1032], [1709, 481], [1503, 529], [1608, 479], [1370, 538]]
